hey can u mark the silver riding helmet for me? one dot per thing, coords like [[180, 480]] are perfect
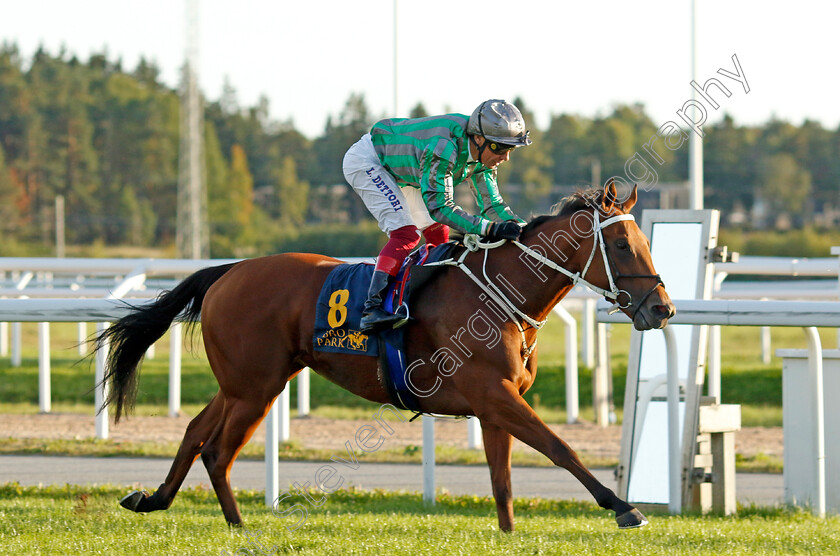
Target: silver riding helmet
[[500, 121]]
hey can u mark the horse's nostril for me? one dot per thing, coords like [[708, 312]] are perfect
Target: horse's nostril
[[664, 310]]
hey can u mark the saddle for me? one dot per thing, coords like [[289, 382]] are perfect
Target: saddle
[[339, 310]]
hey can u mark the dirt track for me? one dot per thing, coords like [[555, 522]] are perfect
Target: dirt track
[[317, 432]]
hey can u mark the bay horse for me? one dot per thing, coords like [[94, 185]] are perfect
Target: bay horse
[[257, 318]]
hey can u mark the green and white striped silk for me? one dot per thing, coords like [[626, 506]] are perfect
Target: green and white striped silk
[[432, 154]]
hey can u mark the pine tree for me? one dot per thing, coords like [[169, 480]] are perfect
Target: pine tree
[[292, 194]]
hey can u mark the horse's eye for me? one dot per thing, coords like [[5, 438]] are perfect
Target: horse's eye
[[622, 244]]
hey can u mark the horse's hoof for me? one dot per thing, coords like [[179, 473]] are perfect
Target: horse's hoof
[[631, 520], [132, 500]]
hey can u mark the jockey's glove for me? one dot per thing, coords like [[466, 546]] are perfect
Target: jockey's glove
[[504, 230]]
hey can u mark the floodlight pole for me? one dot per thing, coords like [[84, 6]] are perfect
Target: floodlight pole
[[396, 71], [695, 142], [192, 228]]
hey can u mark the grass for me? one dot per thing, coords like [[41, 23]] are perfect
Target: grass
[[86, 520]]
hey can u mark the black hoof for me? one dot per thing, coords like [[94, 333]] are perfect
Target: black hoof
[[131, 501], [631, 520]]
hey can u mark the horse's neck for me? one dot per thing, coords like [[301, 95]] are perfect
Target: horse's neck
[[534, 287], [564, 247]]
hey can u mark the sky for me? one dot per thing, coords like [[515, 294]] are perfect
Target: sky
[[307, 57]]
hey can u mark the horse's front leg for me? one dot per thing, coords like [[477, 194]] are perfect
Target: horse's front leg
[[501, 404], [497, 446]]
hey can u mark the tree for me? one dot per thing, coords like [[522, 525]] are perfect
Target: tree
[[339, 134], [292, 194], [728, 168], [784, 184], [566, 150], [8, 198], [218, 200], [530, 166], [14, 103], [62, 158], [818, 158], [419, 111], [139, 219], [634, 116], [240, 201], [613, 142], [353, 122], [137, 131]]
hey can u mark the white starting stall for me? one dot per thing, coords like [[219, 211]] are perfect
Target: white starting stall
[[669, 424], [806, 314], [682, 245]]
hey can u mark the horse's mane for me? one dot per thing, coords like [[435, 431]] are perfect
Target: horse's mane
[[580, 200]]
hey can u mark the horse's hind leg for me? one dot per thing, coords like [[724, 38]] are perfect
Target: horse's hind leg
[[198, 431], [241, 417], [497, 446]]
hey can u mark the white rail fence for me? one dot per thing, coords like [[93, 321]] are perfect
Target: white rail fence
[[113, 279], [58, 287], [118, 278]]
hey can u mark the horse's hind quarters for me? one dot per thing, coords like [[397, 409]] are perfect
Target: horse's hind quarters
[[631, 520], [132, 500]]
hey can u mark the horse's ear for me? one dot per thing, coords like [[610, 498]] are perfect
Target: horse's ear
[[631, 199], [609, 198]]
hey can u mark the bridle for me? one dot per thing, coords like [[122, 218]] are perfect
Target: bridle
[[614, 293], [473, 243]]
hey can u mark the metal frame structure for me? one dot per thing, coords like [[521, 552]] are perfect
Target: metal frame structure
[[641, 392]]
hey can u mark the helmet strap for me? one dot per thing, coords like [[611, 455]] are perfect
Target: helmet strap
[[479, 148]]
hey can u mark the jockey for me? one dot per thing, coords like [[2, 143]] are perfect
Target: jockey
[[404, 171]]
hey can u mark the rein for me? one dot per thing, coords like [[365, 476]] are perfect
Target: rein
[[473, 243], [579, 277]]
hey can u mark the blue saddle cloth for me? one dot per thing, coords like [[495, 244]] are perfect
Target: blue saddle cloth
[[339, 310]]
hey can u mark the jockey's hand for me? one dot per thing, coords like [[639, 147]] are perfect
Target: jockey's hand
[[504, 230]]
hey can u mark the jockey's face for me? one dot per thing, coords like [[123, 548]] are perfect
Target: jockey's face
[[488, 157]]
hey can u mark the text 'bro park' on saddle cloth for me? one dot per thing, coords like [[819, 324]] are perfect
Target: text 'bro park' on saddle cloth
[[339, 310]]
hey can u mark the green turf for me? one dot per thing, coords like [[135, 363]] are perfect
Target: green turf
[[61, 520]]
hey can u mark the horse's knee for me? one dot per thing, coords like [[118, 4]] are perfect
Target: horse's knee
[[209, 457]]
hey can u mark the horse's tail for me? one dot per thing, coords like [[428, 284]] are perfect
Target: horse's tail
[[130, 337]]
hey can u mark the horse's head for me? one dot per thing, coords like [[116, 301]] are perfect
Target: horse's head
[[609, 254], [624, 267]]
